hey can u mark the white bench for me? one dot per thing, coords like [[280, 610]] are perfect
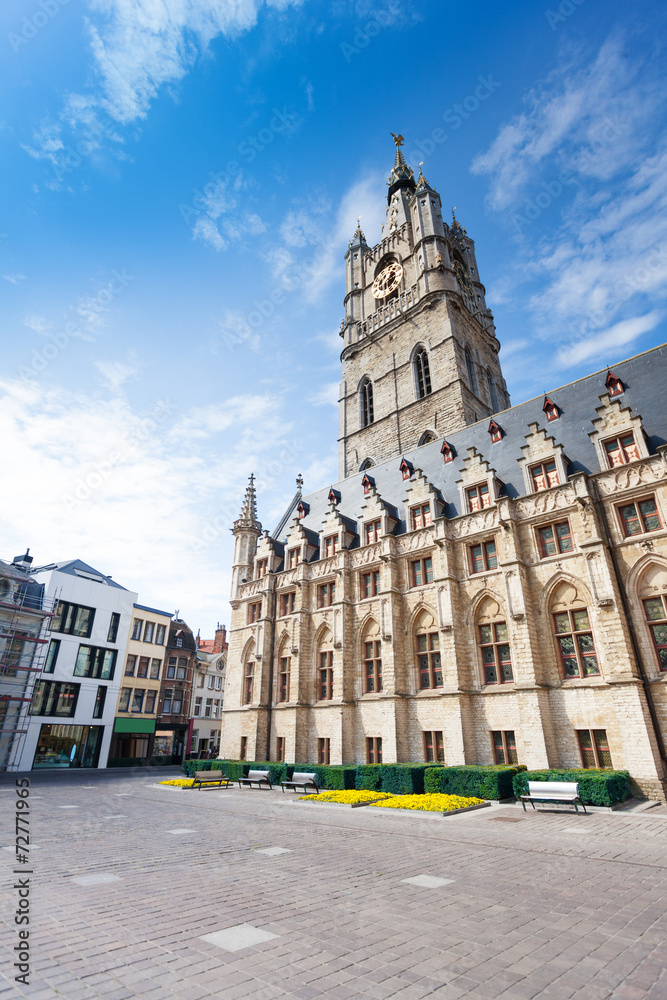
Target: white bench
[[301, 779], [553, 791], [258, 778], [216, 777]]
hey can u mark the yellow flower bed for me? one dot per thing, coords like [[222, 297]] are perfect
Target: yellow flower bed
[[428, 803], [350, 797], [179, 782]]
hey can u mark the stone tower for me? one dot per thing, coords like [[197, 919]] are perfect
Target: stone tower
[[420, 354], [246, 531]]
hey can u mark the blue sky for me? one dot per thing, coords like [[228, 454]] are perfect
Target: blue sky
[[169, 165]]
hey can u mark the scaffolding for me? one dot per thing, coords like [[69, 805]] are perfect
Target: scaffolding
[[25, 615]]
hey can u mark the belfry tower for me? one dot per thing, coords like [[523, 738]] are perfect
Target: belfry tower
[[420, 354]]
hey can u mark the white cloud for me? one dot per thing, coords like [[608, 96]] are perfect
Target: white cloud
[[36, 323], [591, 257], [138, 48], [145, 495], [116, 373], [14, 279], [588, 119], [327, 395], [619, 335]]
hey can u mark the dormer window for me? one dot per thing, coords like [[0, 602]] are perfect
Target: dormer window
[[262, 567], [478, 497], [551, 409], [367, 484], [614, 385], [544, 475], [406, 469], [330, 546], [302, 509], [293, 558], [621, 450], [334, 496], [495, 432], [420, 516], [447, 452]]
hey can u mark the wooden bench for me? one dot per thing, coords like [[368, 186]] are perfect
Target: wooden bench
[[216, 777], [259, 778], [301, 779], [553, 791]]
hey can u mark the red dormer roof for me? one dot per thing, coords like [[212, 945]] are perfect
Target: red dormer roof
[[614, 385], [496, 431], [551, 409], [447, 451]]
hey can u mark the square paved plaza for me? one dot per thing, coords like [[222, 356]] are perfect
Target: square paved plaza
[[142, 890]]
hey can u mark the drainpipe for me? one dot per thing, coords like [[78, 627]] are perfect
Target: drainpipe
[[633, 635], [272, 609]]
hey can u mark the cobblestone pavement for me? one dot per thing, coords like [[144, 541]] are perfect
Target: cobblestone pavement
[[545, 904]]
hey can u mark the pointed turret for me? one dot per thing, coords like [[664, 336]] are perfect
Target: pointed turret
[[422, 183], [402, 175], [246, 531], [358, 240]]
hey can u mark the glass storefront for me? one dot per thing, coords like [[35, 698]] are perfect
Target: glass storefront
[[68, 746]]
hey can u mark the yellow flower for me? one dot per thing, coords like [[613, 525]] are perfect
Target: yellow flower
[[428, 803], [180, 782], [350, 796]]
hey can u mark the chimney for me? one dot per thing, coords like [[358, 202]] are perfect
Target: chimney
[[220, 640]]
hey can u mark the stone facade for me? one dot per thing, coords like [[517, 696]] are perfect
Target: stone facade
[[479, 598]]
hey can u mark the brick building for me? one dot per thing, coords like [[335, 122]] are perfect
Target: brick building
[[486, 583], [173, 723]]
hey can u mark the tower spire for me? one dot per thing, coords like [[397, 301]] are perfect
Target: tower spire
[[401, 175], [358, 240], [248, 518]]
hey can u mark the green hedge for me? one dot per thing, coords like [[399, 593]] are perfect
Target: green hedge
[[235, 769], [472, 780], [596, 787], [397, 779], [328, 776]]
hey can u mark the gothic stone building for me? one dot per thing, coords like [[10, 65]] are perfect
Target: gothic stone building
[[486, 583]]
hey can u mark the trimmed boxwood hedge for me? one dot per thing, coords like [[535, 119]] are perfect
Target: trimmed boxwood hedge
[[472, 780], [328, 776], [397, 779], [596, 787], [235, 769]]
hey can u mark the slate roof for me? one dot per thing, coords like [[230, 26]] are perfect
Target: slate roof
[[71, 565], [644, 377]]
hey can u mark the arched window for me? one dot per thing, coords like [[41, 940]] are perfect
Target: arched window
[[470, 368], [371, 652], [493, 395], [427, 652], [325, 667], [422, 373], [367, 463], [493, 642], [366, 402], [284, 661], [426, 438], [572, 631], [249, 676], [654, 583]]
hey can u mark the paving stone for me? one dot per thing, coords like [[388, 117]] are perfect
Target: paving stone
[[96, 879], [239, 937], [427, 881], [273, 851]]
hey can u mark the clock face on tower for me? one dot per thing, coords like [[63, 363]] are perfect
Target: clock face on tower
[[387, 280]]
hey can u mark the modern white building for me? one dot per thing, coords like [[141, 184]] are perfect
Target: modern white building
[[72, 713]]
